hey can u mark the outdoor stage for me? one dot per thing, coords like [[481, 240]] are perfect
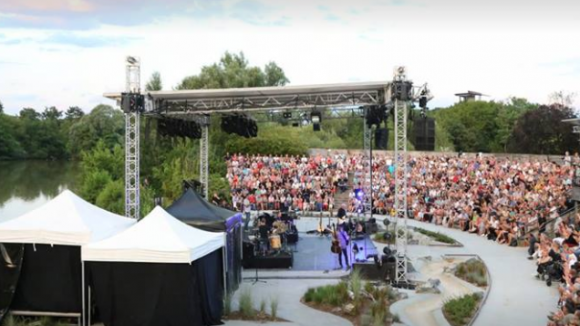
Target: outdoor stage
[[312, 251]]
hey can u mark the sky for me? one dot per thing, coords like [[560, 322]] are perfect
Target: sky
[[69, 52]]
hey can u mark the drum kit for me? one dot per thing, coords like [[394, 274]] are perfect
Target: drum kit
[[276, 241]]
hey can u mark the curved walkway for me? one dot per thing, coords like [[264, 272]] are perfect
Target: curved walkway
[[516, 297]]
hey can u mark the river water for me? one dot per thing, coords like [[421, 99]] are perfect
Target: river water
[[25, 185]]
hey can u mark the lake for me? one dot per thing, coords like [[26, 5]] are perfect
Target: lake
[[25, 185]]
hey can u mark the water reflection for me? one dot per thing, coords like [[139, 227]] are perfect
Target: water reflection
[[25, 185]]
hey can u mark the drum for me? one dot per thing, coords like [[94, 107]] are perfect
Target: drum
[[275, 242]]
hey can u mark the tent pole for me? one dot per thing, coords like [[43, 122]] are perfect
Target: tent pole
[[83, 291]]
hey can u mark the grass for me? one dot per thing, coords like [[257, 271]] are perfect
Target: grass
[[247, 303], [263, 306], [334, 295], [459, 311], [274, 307], [227, 304], [436, 236], [472, 271], [31, 321]]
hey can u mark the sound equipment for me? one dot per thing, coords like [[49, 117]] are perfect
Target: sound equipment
[[381, 138], [425, 134], [377, 272]]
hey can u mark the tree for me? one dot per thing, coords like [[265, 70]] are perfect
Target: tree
[[29, 114], [541, 131], [1, 108], [154, 83], [51, 113], [74, 113], [234, 71], [103, 123], [562, 98]]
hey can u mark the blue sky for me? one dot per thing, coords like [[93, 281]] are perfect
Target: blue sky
[[69, 52]]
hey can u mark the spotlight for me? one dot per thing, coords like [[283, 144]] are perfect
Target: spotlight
[[287, 115], [239, 124]]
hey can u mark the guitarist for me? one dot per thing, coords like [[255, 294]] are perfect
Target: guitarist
[[343, 241]]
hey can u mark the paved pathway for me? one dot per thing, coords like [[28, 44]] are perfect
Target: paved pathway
[[290, 308], [516, 297]]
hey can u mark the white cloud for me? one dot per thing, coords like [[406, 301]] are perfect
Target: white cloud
[[485, 46]]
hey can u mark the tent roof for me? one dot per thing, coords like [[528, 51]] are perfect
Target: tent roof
[[193, 209], [65, 220], [157, 238]]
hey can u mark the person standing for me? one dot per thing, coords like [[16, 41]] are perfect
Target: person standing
[[343, 241]]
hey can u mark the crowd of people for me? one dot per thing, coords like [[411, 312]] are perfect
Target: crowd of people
[[498, 198], [287, 182]]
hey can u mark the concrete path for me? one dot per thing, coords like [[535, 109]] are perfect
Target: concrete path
[[516, 297], [289, 293]]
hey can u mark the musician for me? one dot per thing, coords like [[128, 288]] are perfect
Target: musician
[[263, 231], [343, 241]]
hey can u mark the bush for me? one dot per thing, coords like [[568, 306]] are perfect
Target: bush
[[274, 307], [472, 271], [459, 311], [247, 304], [436, 236], [334, 295]]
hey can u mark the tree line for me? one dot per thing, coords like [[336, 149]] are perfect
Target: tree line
[[96, 139]]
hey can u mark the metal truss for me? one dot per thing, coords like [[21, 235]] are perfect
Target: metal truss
[[400, 111], [204, 154], [132, 155], [261, 103], [367, 164]]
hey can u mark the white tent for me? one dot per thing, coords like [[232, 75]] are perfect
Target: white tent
[[158, 238], [65, 220]]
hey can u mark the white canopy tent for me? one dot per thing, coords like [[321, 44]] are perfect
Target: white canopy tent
[[158, 238], [65, 220]]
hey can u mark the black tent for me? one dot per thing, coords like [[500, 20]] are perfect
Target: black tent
[[193, 209]]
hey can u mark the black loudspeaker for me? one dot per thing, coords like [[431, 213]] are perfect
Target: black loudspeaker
[[381, 138], [425, 134]]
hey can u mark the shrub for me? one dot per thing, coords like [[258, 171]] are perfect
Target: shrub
[[247, 304], [356, 285], [335, 295], [472, 271], [274, 307], [459, 311], [436, 236]]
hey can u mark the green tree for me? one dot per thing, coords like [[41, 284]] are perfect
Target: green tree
[[154, 83], [1, 108], [103, 123], [541, 131], [74, 113], [234, 71]]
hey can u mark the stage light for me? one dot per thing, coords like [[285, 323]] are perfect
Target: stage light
[[239, 124], [359, 194], [287, 115]]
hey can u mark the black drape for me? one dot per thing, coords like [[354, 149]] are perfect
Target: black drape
[[158, 294], [209, 273], [11, 256], [50, 279]]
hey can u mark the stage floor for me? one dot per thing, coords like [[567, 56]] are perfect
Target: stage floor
[[312, 253]]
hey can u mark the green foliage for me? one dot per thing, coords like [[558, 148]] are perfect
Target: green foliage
[[227, 304], [263, 306], [154, 83], [112, 197], [334, 295], [356, 285], [246, 303], [459, 311], [274, 307], [541, 131], [234, 71], [472, 271], [436, 236], [103, 124]]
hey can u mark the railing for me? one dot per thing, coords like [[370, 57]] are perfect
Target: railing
[[548, 225]]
